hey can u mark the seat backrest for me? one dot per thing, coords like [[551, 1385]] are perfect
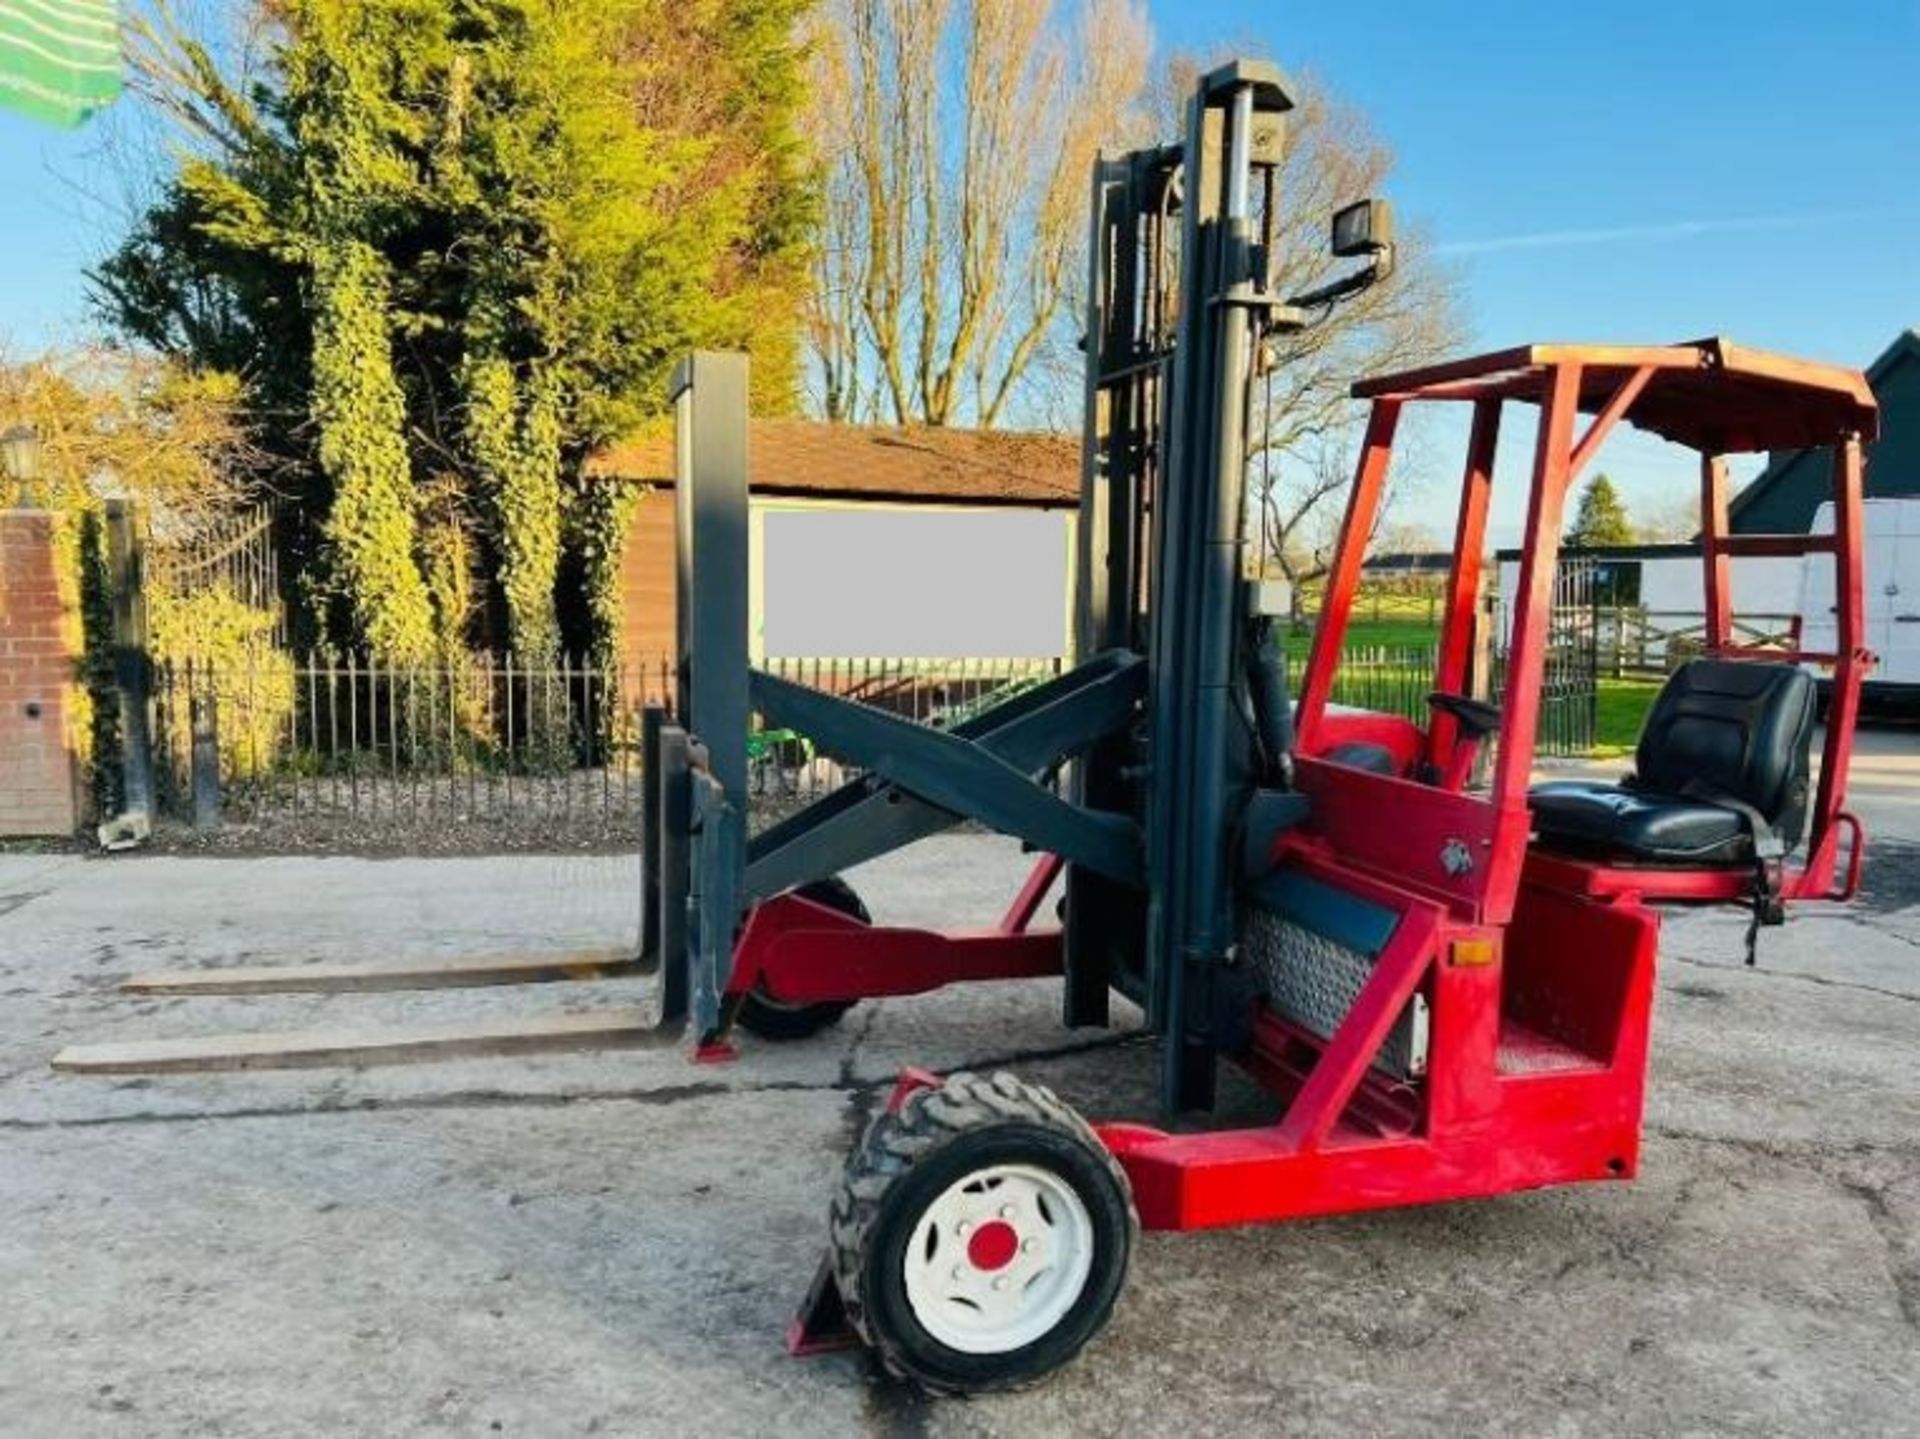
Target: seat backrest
[[1738, 727]]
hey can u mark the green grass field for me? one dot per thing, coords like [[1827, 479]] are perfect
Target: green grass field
[[1385, 634], [1623, 704]]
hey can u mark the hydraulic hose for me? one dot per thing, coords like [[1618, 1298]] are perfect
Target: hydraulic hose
[[1272, 705]]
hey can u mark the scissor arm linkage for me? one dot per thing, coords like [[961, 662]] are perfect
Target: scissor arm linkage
[[982, 771]]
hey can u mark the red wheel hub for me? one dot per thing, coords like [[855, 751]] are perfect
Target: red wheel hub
[[993, 1245]]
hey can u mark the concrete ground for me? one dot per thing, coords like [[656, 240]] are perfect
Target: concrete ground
[[612, 1243]]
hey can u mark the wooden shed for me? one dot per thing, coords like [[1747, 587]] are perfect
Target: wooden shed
[[868, 541]]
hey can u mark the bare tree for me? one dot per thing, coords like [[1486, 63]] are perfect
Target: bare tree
[[1673, 520], [125, 423], [1304, 422], [194, 64], [955, 138], [1410, 537], [1303, 416]]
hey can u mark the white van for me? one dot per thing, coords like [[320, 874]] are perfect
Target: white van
[[1892, 593]]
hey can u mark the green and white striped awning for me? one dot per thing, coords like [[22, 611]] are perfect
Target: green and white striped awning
[[59, 59]]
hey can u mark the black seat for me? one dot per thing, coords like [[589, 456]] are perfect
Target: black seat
[[1726, 743]]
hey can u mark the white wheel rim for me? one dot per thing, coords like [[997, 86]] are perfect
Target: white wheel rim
[[999, 1259]]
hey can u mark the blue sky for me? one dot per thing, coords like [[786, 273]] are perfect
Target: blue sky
[[48, 230], [1634, 171]]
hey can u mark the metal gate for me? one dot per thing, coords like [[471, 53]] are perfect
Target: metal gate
[[1570, 683]]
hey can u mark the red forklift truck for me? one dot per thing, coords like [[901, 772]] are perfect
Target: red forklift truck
[[1445, 984]]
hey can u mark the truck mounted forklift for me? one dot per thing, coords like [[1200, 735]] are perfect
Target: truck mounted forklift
[[1439, 972], [1442, 972]]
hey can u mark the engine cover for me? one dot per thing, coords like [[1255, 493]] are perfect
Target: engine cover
[[1311, 978]]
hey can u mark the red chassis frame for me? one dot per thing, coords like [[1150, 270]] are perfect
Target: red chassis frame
[[801, 952], [1538, 969]]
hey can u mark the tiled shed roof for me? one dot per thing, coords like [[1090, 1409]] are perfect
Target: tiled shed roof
[[928, 463]]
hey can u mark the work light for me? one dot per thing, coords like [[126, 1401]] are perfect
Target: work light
[[1365, 228]]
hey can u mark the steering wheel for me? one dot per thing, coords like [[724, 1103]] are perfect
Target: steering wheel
[[1476, 718]]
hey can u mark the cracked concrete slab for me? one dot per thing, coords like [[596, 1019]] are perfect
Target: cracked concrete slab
[[612, 1243]]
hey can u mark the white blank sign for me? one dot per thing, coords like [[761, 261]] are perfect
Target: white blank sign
[[914, 583]]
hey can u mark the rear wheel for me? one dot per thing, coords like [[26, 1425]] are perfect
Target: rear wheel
[[769, 1018], [981, 1234]]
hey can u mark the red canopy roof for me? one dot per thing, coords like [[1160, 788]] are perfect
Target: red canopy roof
[[1710, 395]]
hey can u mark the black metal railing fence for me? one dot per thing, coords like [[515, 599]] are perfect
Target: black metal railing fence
[[1388, 679], [486, 739], [491, 740]]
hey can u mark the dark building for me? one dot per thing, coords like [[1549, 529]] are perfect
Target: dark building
[[1782, 498], [1409, 565]]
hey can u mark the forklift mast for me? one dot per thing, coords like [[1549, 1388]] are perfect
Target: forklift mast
[[1177, 313], [1172, 726]]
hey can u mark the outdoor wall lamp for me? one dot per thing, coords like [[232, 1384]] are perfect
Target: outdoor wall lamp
[[20, 463]]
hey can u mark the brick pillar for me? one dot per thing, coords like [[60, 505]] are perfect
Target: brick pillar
[[39, 777]]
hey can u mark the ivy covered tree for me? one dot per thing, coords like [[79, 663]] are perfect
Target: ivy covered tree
[[1601, 518], [454, 246]]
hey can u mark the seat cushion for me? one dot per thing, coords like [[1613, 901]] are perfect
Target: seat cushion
[[1732, 730], [1737, 727], [1637, 824]]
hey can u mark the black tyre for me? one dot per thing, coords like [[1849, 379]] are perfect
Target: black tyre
[[981, 1235], [770, 1018]]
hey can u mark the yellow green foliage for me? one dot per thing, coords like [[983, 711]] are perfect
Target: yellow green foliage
[[600, 522], [173, 441], [447, 558], [471, 238], [212, 639], [515, 441], [363, 450], [74, 547]]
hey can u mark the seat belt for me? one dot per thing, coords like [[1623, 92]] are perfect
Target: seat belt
[[1769, 859]]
